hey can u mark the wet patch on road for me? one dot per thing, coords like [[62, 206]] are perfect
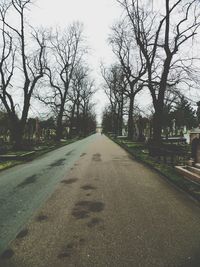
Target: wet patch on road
[[93, 206], [83, 209], [80, 214], [65, 254], [7, 254], [68, 250], [88, 187], [41, 218], [94, 222], [69, 153], [71, 247], [57, 163], [2, 201], [69, 181], [81, 241], [29, 180], [96, 157], [22, 234]]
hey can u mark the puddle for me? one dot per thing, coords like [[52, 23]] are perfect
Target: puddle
[[96, 157], [94, 221], [92, 206], [69, 153], [83, 209], [67, 251], [80, 214], [81, 240], [88, 187], [29, 180], [69, 181], [57, 163], [41, 218], [7, 254], [22, 234], [65, 254]]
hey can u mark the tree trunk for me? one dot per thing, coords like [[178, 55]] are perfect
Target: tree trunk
[[59, 128], [157, 124], [121, 117], [130, 119], [119, 121], [16, 133]]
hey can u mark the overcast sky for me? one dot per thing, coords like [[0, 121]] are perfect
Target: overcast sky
[[97, 17]]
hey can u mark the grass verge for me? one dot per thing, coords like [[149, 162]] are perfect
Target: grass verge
[[140, 153]]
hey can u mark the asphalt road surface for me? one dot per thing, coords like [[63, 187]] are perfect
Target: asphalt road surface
[[90, 204], [25, 187]]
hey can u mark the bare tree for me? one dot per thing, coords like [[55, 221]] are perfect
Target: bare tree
[[80, 96], [67, 49], [115, 88], [88, 122], [30, 64], [80, 74], [131, 60], [161, 35]]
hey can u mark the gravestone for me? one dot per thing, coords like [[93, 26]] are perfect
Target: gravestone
[[196, 149], [198, 153], [2, 146]]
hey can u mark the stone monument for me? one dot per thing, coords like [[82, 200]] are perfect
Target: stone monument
[[195, 145]]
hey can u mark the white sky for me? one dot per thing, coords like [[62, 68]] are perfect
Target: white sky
[[97, 17]]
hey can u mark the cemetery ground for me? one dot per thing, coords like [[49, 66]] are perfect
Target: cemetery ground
[[163, 163], [11, 158], [92, 204]]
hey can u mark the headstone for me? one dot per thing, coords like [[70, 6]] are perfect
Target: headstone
[[198, 112], [198, 153], [37, 129], [173, 126], [196, 149]]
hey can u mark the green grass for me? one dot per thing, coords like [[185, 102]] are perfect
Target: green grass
[[8, 164], [140, 153]]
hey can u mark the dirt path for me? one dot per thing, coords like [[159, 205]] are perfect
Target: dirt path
[[110, 210]]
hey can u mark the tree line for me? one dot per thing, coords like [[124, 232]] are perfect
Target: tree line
[[46, 65], [153, 47]]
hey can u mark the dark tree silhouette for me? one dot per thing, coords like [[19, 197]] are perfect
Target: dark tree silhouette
[[160, 38], [30, 64], [115, 88], [132, 64], [67, 50]]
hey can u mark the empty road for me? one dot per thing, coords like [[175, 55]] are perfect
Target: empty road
[[90, 204]]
